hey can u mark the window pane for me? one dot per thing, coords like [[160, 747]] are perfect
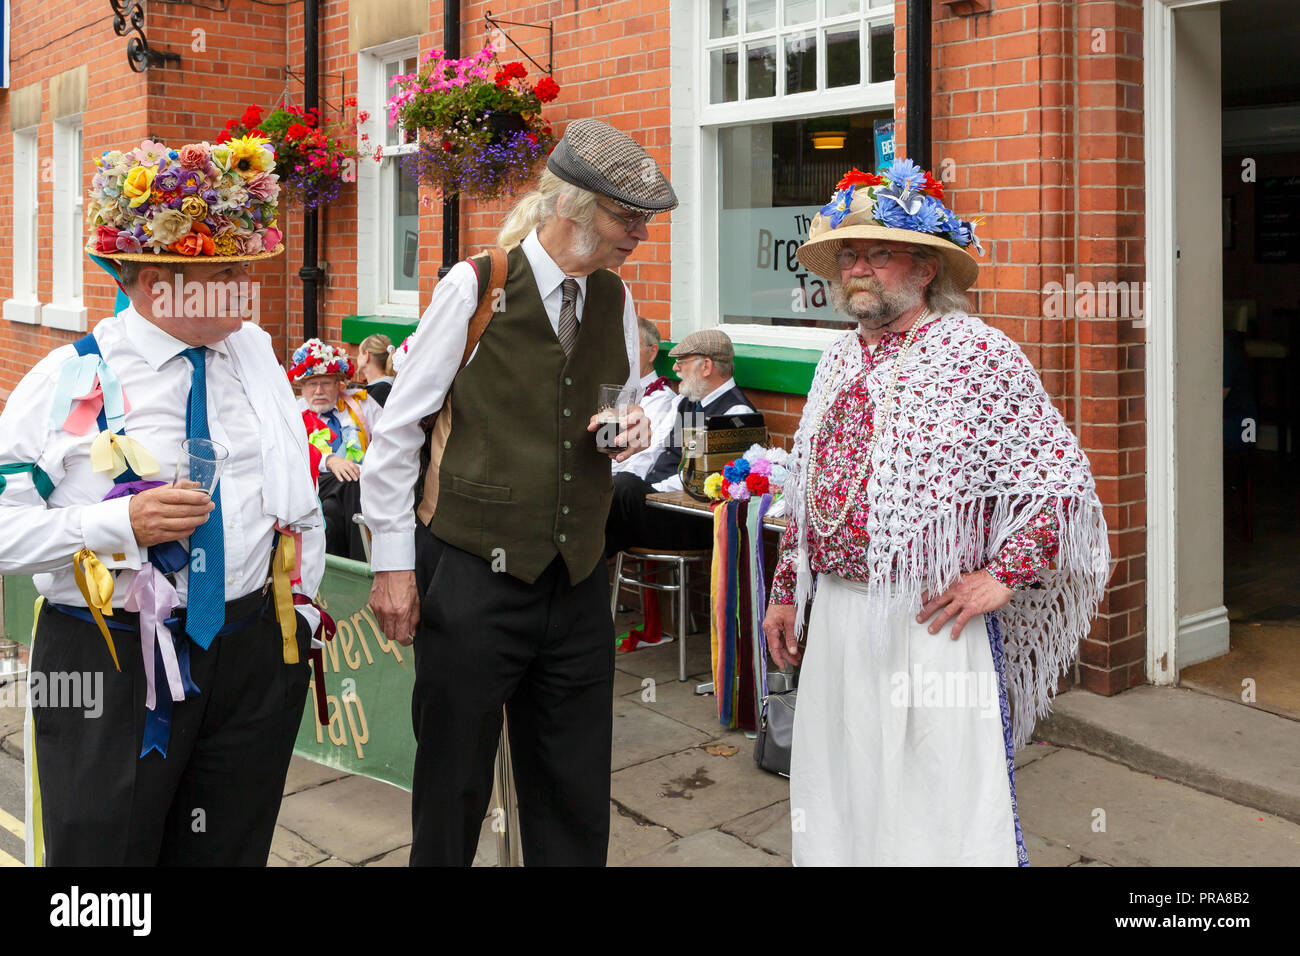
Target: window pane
[[799, 11], [801, 63], [837, 8], [723, 76], [406, 231], [392, 135], [844, 56], [771, 182], [882, 52], [760, 15], [724, 17], [760, 80]]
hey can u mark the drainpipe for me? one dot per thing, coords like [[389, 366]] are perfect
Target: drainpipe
[[450, 207], [918, 82], [311, 273]]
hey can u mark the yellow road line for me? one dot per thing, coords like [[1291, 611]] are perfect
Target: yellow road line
[[7, 860], [13, 825]]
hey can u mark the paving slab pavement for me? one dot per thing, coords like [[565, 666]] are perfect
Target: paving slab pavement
[[355, 819], [711, 848], [641, 734]]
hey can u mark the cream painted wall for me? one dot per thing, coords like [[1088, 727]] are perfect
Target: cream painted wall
[[1203, 627]]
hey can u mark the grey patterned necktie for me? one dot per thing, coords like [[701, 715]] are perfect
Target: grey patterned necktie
[[568, 330]]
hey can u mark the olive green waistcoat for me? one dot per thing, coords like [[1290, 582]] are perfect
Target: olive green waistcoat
[[518, 476]]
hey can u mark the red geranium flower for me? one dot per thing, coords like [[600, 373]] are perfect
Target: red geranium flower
[[297, 131], [252, 116], [546, 89], [856, 177], [515, 69], [223, 136]]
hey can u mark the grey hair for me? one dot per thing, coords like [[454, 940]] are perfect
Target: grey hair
[[942, 295], [724, 366], [649, 332], [542, 204]]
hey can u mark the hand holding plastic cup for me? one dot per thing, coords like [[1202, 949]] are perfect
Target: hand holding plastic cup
[[611, 413], [201, 461]]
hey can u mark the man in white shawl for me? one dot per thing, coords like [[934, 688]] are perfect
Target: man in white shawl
[[950, 523]]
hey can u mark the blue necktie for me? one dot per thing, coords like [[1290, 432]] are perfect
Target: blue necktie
[[206, 604], [336, 439]]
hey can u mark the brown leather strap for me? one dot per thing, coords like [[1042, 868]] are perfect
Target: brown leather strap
[[487, 300]]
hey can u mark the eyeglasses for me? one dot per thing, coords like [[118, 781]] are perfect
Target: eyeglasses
[[683, 359], [631, 224], [877, 258]]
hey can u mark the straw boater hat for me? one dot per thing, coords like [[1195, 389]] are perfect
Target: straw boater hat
[[901, 204], [200, 203], [316, 359]]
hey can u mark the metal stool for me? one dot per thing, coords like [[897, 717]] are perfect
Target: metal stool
[[678, 560]]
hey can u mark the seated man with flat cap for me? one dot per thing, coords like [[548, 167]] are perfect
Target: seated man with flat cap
[[704, 361]]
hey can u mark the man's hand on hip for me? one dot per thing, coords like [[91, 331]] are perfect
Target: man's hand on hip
[[168, 513], [976, 593], [396, 603], [343, 469], [778, 626]]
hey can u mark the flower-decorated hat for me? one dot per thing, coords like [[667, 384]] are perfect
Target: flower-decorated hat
[[199, 203], [902, 204], [314, 359]]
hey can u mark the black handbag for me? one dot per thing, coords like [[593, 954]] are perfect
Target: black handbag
[[776, 725]]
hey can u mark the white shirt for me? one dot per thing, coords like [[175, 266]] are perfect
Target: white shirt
[[392, 461], [660, 407], [156, 378], [674, 482]]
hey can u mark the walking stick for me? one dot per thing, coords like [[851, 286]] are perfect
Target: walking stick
[[505, 823]]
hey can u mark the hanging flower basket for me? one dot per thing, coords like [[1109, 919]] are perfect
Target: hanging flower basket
[[480, 125], [313, 160]]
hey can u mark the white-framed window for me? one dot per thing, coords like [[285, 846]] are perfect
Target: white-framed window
[[776, 100], [388, 246], [68, 233], [23, 304]]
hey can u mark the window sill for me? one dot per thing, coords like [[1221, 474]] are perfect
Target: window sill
[[396, 327], [27, 311], [767, 368], [71, 318]]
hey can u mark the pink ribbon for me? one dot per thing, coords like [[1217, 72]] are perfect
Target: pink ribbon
[[153, 597], [85, 411]]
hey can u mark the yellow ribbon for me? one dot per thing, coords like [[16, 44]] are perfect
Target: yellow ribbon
[[112, 453], [357, 420], [281, 588], [96, 584]]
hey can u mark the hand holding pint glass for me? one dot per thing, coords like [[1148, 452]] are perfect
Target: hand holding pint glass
[[620, 425]]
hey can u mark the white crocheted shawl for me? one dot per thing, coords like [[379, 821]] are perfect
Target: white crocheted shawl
[[970, 422]]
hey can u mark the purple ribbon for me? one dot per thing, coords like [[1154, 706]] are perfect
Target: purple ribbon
[[153, 597], [131, 488]]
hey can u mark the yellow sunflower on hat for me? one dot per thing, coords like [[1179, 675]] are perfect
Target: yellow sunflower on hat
[[251, 154]]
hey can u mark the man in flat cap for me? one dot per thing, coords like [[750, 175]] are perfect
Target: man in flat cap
[[704, 362], [500, 580]]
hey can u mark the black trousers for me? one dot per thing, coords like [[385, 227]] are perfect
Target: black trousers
[[340, 500], [634, 524], [546, 652], [214, 799]]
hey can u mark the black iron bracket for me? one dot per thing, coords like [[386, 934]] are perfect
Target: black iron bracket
[[128, 17], [498, 24]]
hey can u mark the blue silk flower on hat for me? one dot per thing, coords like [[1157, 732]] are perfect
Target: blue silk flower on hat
[[838, 207]]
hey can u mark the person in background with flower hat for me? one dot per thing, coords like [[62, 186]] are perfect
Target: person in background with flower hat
[[499, 575], [319, 372], [148, 583], [932, 488]]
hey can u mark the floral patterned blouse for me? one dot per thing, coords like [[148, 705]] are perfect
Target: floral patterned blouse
[[844, 435]]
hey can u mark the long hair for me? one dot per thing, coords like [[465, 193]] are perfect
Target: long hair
[[380, 348], [542, 204], [942, 295]]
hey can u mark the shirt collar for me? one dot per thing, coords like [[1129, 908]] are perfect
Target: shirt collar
[[649, 378], [154, 345], [546, 271], [719, 391]]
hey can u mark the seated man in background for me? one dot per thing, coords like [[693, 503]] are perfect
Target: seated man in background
[[657, 399], [704, 361], [319, 371]]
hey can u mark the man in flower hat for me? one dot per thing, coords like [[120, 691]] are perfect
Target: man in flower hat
[[952, 526], [319, 372], [501, 578], [168, 602]]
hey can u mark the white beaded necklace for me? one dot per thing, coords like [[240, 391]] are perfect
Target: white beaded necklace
[[824, 526]]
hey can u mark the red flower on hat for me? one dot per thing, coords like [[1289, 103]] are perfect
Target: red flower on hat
[[856, 177], [546, 89], [932, 186]]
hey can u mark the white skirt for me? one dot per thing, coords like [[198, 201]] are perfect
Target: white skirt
[[900, 757]]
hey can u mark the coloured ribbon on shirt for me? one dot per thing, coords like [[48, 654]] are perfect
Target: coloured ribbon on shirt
[[44, 487], [96, 585], [153, 597], [86, 387], [282, 568], [115, 453], [318, 658]]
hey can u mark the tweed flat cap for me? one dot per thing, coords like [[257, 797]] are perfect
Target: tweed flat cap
[[712, 343], [605, 160]]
